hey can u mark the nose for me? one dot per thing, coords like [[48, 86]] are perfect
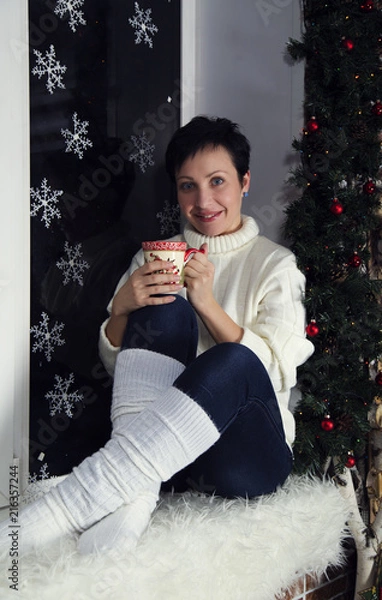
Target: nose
[[203, 199]]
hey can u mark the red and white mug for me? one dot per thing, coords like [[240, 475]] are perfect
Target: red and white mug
[[175, 253]]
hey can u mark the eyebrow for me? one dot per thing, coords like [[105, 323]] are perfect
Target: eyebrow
[[208, 175]]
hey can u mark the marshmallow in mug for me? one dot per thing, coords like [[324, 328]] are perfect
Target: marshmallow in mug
[[175, 253]]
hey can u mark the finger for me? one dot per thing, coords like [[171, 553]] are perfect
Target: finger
[[163, 279], [163, 289], [198, 261], [192, 273], [196, 267], [204, 248], [158, 265], [158, 300]]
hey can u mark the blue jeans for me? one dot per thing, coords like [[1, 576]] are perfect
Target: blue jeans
[[232, 386]]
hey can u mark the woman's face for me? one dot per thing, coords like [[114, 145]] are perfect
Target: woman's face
[[210, 193]]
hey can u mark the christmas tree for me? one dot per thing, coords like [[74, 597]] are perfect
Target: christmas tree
[[334, 226]]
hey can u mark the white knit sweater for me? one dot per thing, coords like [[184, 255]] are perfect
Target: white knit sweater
[[259, 286]]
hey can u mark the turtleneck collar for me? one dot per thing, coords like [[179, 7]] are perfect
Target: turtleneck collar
[[223, 243]]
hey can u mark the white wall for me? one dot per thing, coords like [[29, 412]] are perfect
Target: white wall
[[14, 241], [242, 72]]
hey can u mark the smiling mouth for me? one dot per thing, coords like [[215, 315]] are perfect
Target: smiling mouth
[[207, 218]]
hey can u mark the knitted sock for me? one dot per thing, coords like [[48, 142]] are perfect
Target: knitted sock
[[139, 376], [166, 437], [40, 523], [121, 530], [170, 434]]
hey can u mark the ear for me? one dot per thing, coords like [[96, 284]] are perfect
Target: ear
[[246, 182]]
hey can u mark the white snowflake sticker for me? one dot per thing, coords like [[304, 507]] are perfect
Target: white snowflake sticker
[[73, 265], [47, 339], [73, 8], [143, 25], [60, 399], [45, 199], [42, 475], [169, 219], [77, 140], [143, 152], [48, 65]]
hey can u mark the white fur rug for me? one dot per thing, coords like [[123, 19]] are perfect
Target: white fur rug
[[200, 547]]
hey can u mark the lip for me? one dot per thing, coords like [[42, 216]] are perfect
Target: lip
[[208, 217]]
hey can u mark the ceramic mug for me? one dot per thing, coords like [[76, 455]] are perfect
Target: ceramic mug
[[175, 253]]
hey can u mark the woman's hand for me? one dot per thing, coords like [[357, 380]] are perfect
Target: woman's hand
[[139, 291], [199, 278], [142, 286]]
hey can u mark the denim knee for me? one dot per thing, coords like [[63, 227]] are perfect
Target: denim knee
[[234, 359], [223, 379], [169, 329], [234, 353]]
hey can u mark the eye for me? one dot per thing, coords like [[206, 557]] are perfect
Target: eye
[[217, 181], [185, 186]]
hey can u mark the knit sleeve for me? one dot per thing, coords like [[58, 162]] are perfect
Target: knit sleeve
[[107, 352], [276, 332]]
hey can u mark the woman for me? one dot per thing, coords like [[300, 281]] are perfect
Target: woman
[[202, 375]]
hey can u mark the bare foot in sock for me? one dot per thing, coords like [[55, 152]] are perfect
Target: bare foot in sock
[[121, 529]]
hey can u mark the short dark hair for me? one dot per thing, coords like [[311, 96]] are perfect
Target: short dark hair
[[203, 131]]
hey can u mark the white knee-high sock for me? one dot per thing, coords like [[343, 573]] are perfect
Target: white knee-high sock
[[40, 523], [121, 530], [170, 434], [140, 375]]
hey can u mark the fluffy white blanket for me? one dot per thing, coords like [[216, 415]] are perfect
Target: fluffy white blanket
[[204, 548]]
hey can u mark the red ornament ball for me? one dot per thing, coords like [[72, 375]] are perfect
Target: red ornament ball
[[369, 187], [350, 462], [336, 207], [348, 44], [378, 378], [312, 125], [327, 424], [355, 260], [377, 108], [312, 329], [367, 6]]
